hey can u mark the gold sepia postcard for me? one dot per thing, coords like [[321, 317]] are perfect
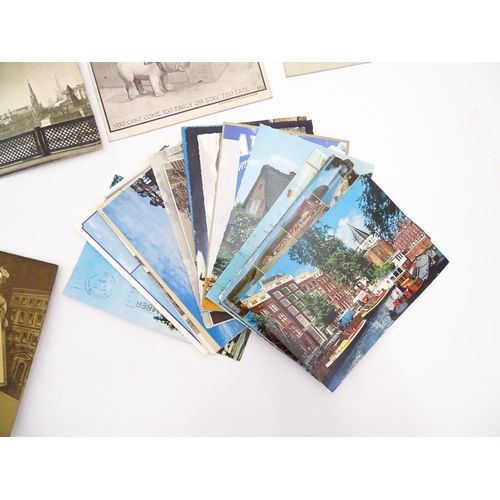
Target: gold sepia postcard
[[25, 288]]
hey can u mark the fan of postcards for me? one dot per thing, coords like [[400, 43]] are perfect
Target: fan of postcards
[[260, 228]]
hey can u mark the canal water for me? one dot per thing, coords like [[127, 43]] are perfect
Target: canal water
[[375, 326]]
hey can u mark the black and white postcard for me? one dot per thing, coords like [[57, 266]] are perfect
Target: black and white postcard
[[45, 115], [136, 97]]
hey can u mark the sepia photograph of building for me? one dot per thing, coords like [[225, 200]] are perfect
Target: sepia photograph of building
[[25, 288], [45, 114]]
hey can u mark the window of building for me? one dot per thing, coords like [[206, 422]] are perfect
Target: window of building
[[39, 319], [278, 295], [282, 317], [292, 297], [273, 308], [264, 312], [295, 331], [293, 310], [254, 206], [285, 302], [303, 321], [285, 290]]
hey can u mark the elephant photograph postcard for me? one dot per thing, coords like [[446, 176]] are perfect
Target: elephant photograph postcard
[[136, 97], [25, 290]]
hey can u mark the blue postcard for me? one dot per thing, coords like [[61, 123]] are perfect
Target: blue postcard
[[137, 215], [267, 192], [328, 282], [97, 233], [97, 283]]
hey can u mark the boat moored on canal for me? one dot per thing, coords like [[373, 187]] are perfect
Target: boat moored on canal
[[341, 348]]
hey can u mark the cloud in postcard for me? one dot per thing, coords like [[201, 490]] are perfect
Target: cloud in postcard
[[340, 147], [281, 163], [344, 231], [105, 237], [148, 229]]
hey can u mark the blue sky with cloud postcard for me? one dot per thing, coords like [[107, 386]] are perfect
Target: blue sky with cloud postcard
[[137, 215]]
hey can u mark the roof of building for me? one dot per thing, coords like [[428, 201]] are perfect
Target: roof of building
[[275, 183], [358, 235]]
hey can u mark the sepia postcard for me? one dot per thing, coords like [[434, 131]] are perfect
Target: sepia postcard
[[137, 215], [45, 114], [276, 166], [303, 68], [25, 289], [329, 293], [136, 97], [201, 152]]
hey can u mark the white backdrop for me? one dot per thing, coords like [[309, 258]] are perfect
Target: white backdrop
[[432, 132]]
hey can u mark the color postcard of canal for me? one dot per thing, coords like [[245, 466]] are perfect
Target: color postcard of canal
[[328, 282], [136, 97]]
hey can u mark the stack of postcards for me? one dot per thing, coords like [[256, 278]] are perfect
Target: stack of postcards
[[263, 228]]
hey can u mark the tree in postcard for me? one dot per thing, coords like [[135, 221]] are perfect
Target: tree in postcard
[[241, 225], [321, 249], [222, 261], [380, 212], [318, 307], [264, 326], [381, 270], [164, 321]]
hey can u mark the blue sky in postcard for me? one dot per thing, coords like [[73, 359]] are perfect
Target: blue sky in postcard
[[149, 230], [97, 228], [286, 152], [282, 151], [124, 301]]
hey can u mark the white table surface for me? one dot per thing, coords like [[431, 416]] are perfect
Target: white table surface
[[432, 131]]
